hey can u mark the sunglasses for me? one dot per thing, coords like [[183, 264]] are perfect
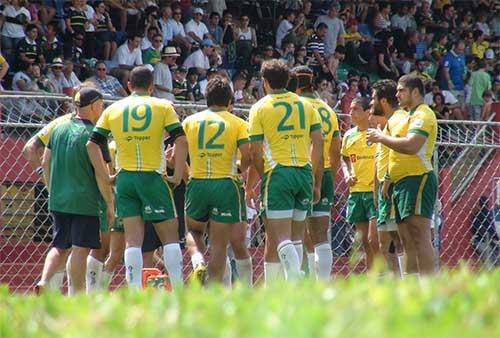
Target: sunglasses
[[177, 13], [101, 69], [79, 39], [244, 19], [157, 40]]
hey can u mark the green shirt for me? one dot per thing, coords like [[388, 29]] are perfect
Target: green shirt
[[151, 56], [480, 81], [73, 187]]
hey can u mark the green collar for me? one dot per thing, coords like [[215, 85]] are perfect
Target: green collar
[[309, 95], [217, 110], [414, 109], [138, 94], [278, 91]]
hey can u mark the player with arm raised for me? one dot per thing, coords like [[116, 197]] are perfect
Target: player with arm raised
[[385, 113], [319, 219], [359, 159], [411, 172], [215, 136], [138, 124], [282, 127]]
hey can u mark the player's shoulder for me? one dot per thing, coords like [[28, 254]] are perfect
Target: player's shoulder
[[425, 111], [351, 133], [257, 106]]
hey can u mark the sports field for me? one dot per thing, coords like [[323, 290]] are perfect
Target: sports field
[[455, 304]]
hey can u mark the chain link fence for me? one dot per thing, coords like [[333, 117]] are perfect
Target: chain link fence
[[467, 159]]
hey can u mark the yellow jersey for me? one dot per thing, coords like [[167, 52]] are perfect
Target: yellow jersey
[[214, 138], [329, 124], [421, 120], [284, 122], [362, 157], [478, 49], [44, 134], [138, 124], [400, 116]]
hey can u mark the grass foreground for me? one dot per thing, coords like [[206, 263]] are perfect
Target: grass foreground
[[451, 304]]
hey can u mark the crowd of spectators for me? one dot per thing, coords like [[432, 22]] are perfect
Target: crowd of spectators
[[53, 45]]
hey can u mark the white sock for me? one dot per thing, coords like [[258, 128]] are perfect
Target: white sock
[[56, 282], [401, 263], [227, 277], [300, 251], [411, 275], [172, 257], [272, 272], [71, 290], [197, 259], [289, 260], [133, 267], [323, 259], [245, 271], [106, 279], [311, 265], [93, 276]]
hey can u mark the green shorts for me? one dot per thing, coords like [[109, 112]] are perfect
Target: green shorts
[[415, 195], [324, 206], [360, 207], [218, 199], [103, 220], [144, 194], [384, 212], [287, 192]]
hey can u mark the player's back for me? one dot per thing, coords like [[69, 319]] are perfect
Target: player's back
[[329, 124], [213, 139], [421, 120], [44, 134], [138, 124], [284, 122], [362, 157]]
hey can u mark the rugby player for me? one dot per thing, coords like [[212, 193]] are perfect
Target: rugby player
[[282, 127], [212, 194], [385, 113], [411, 172], [359, 158], [319, 220], [74, 191], [138, 124]]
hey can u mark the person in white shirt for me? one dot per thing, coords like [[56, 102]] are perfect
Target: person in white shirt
[[195, 29], [449, 98], [127, 56], [14, 18], [285, 27], [336, 31], [56, 77], [166, 29], [71, 78], [162, 75], [178, 33], [147, 41], [199, 59]]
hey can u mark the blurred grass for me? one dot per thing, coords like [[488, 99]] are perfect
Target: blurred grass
[[451, 304]]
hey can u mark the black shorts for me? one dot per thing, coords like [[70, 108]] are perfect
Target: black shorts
[[151, 240], [76, 230]]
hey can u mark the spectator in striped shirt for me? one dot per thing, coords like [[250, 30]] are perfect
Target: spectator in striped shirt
[[316, 50]]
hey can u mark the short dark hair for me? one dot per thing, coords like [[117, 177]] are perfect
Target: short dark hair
[[340, 49], [219, 92], [386, 89], [54, 25], [30, 27], [213, 14], [477, 33], [276, 73], [321, 25], [481, 63], [412, 82], [141, 77], [350, 82], [440, 95], [304, 77], [364, 102], [152, 28], [133, 35]]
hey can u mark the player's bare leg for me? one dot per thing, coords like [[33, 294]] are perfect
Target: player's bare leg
[[323, 257], [280, 249], [117, 247], [77, 264], [309, 249], [95, 264], [298, 231], [219, 234], [148, 259], [385, 240], [373, 236], [172, 256], [194, 241], [363, 228], [134, 236], [55, 261], [241, 254], [420, 230], [410, 261]]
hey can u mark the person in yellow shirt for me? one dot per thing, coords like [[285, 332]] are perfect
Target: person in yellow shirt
[[319, 254], [282, 128], [411, 172], [385, 112], [138, 124], [212, 193], [359, 158], [4, 69], [480, 45]]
